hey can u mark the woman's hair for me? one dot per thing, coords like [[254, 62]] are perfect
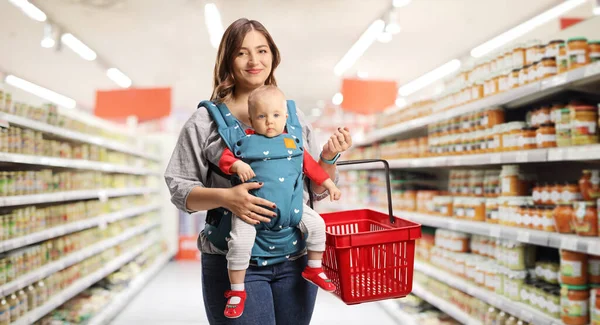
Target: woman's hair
[[224, 82]]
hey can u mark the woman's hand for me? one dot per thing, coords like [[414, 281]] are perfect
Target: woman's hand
[[247, 206], [339, 142]]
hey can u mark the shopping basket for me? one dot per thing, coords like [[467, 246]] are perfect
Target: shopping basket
[[370, 255]]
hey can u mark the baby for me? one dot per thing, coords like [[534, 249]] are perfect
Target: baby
[[268, 116]]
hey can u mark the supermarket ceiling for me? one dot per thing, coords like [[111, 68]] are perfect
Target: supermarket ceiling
[[166, 43]]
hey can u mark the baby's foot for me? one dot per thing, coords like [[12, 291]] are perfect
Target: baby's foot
[[318, 277], [235, 303]]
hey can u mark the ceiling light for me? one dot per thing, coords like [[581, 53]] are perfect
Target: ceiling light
[[362, 74], [357, 50], [337, 99], [401, 102], [78, 47], [596, 9], [49, 39], [524, 28], [384, 37], [30, 10], [393, 28], [118, 77], [428, 78], [400, 3], [212, 17], [39, 91]]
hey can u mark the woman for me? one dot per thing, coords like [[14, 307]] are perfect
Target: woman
[[277, 294]]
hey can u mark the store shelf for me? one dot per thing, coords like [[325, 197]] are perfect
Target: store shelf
[[73, 163], [101, 194], [74, 136], [444, 306], [82, 284], [74, 227], [515, 97], [516, 309], [579, 153], [391, 308], [135, 286], [72, 259], [589, 245]]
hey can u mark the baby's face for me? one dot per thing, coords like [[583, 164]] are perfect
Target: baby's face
[[269, 116]]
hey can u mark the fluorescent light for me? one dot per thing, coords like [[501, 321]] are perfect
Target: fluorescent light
[[384, 37], [30, 10], [337, 99], [393, 28], [524, 28], [401, 3], [39, 91], [47, 43], [401, 102], [428, 78], [212, 17], [118, 77], [78, 47], [357, 50], [596, 11], [362, 74]]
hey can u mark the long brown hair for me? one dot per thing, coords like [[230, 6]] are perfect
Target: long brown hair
[[223, 82]]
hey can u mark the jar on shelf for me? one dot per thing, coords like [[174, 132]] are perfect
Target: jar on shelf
[[511, 179], [511, 133], [491, 211], [573, 268], [584, 125], [562, 61], [523, 78], [585, 218], [563, 127], [574, 304], [589, 184], [569, 193], [545, 136], [563, 216], [594, 51], [547, 68], [527, 138], [443, 205], [532, 73], [578, 52], [518, 55], [513, 78], [553, 47], [594, 269], [548, 222]]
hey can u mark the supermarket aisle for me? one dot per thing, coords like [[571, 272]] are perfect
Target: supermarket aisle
[[173, 298]]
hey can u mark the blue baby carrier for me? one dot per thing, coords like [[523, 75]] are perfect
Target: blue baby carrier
[[278, 161]]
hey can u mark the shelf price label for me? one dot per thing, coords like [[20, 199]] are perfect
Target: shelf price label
[[495, 232], [592, 69], [569, 243], [523, 236], [522, 157]]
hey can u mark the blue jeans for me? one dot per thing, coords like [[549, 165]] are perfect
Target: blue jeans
[[277, 294]]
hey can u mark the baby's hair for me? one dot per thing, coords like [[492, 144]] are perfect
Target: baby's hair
[[258, 93]]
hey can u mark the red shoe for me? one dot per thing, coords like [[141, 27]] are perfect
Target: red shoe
[[235, 310], [318, 277]]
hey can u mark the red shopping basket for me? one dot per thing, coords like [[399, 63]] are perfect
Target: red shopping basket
[[369, 255]]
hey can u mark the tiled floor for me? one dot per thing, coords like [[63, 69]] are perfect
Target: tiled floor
[[174, 298]]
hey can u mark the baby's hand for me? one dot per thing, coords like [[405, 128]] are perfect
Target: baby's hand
[[243, 170], [334, 191]]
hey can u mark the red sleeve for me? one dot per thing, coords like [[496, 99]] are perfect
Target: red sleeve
[[313, 170], [227, 160]]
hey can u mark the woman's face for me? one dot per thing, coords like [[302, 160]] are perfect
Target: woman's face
[[252, 63]]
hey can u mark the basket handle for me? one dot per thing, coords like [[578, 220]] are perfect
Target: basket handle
[[387, 179]]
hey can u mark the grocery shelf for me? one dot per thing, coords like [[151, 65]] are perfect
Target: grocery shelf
[[578, 153], [589, 245], [11, 244], [511, 98], [101, 194], [444, 306], [73, 163], [84, 283], [72, 259], [391, 308], [516, 309], [74, 135], [135, 286]]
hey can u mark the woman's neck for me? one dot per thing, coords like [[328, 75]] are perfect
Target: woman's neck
[[238, 105]]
